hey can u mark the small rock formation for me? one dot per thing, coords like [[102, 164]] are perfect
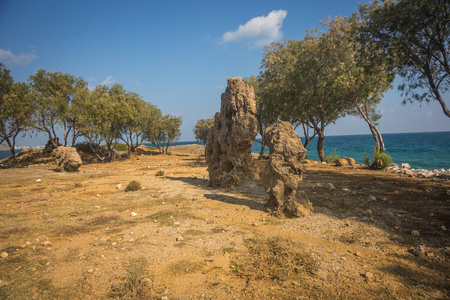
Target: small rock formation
[[343, 161], [284, 171], [67, 159], [51, 145], [228, 152]]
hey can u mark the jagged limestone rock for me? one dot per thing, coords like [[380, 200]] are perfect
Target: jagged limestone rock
[[67, 159], [284, 172], [228, 151]]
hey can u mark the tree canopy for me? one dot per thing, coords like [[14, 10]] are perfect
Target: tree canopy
[[416, 34]]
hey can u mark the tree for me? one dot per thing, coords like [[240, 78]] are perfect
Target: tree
[[15, 110], [52, 94], [416, 34], [202, 129], [298, 79], [165, 132], [364, 75], [101, 120]]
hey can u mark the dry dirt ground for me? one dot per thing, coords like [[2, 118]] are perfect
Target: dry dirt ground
[[81, 236]]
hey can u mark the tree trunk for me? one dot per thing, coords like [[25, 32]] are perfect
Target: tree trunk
[[379, 143], [320, 146], [438, 96]]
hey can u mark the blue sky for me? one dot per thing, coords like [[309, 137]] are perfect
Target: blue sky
[[176, 54]]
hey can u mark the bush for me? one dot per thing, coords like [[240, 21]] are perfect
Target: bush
[[380, 160], [133, 186], [159, 173], [333, 157]]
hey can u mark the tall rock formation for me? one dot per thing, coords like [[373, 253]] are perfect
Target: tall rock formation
[[228, 151], [67, 159], [284, 171]]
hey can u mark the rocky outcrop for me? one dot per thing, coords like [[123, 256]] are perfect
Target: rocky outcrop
[[344, 161], [228, 150], [284, 171], [407, 170], [67, 159]]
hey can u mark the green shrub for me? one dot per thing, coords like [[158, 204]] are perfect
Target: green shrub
[[159, 173], [380, 160], [133, 186], [333, 157]]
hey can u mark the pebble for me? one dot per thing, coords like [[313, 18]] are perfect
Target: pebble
[[368, 213], [419, 250], [330, 186], [119, 186], [38, 180], [4, 254], [179, 238], [388, 214], [444, 228], [133, 214], [368, 275], [46, 243], [372, 198], [347, 223], [415, 233]]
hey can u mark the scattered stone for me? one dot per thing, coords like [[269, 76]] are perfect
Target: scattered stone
[[119, 186], [284, 171], [228, 151], [368, 212], [179, 238], [133, 214], [368, 275], [347, 223], [372, 198], [388, 214], [444, 228], [67, 159], [415, 233], [419, 250], [211, 258], [405, 166], [46, 243], [38, 180], [329, 186], [4, 254], [131, 240]]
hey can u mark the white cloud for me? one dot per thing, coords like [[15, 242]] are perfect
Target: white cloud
[[259, 31], [109, 80], [8, 57], [219, 87]]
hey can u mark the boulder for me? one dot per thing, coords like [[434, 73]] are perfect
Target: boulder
[[344, 161], [67, 159], [228, 152], [284, 172]]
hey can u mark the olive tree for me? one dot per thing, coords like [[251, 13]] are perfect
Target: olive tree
[[166, 131], [416, 33], [202, 129]]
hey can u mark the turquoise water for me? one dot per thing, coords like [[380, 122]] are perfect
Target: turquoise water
[[428, 150]]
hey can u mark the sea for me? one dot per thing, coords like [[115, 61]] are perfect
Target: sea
[[424, 150]]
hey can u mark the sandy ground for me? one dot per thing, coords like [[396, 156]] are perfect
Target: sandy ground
[[373, 235]]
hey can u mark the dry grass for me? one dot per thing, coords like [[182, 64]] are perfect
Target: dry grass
[[136, 283], [272, 258]]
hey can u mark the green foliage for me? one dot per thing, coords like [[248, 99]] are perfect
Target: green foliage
[[379, 161], [165, 132], [15, 110], [202, 129], [415, 34], [159, 173], [133, 186], [333, 157]]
